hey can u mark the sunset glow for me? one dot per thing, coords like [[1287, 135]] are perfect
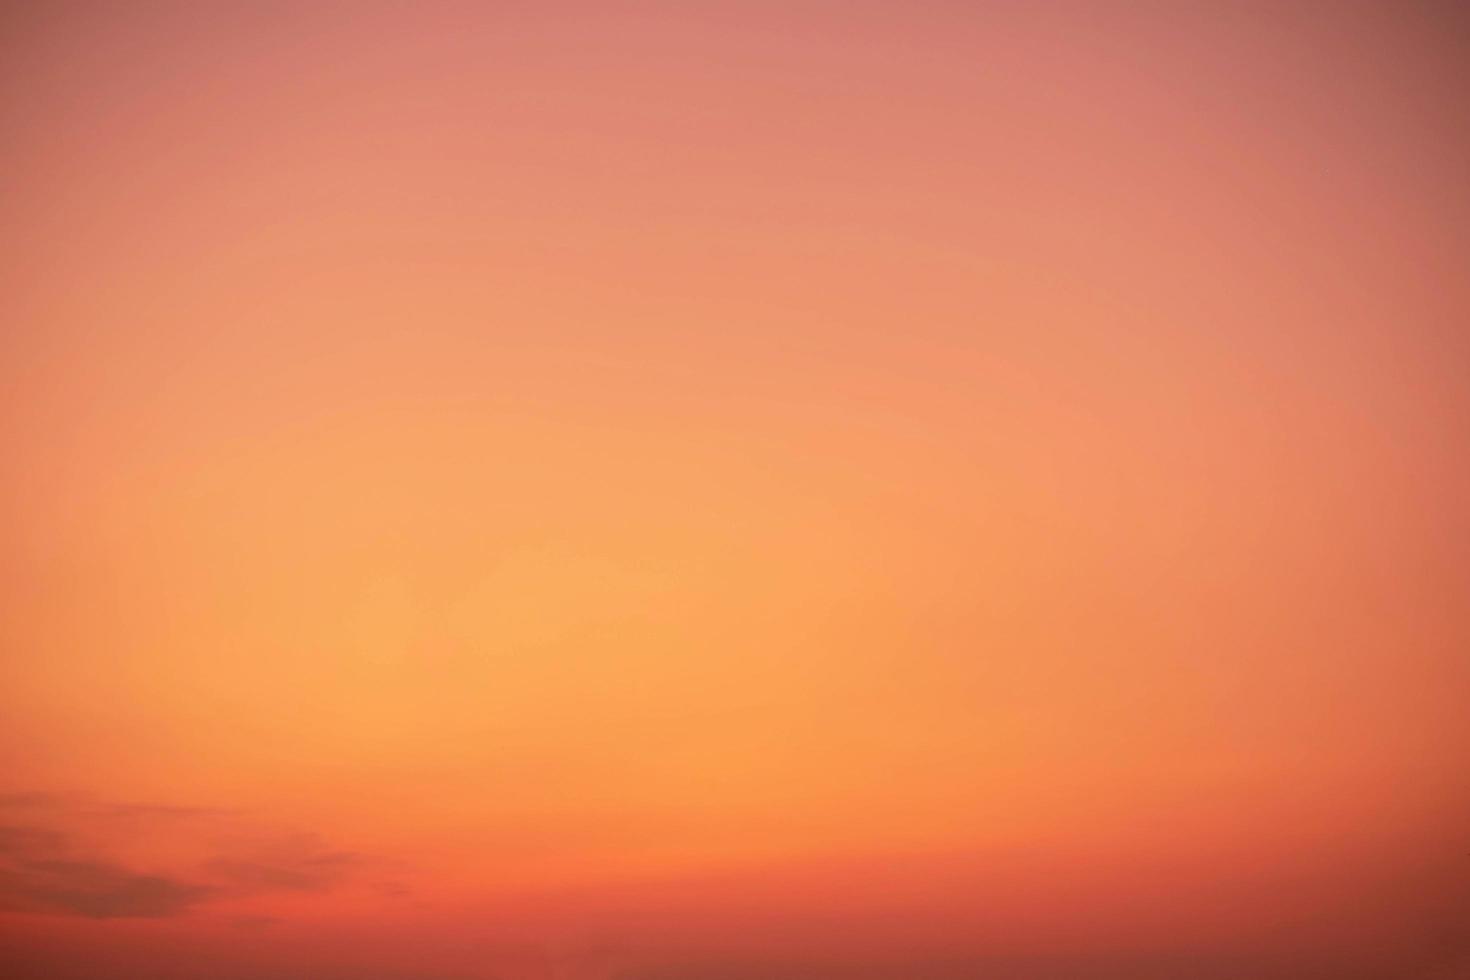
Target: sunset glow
[[798, 490]]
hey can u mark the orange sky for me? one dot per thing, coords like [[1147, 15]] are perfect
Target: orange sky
[[762, 490]]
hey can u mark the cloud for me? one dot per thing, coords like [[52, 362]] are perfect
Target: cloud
[[255, 923], [94, 889], [18, 842], [53, 860], [393, 889], [84, 807], [301, 863], [39, 873], [154, 811], [31, 801]]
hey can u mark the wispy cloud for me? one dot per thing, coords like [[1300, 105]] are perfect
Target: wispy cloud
[[95, 889], [48, 865], [302, 863], [40, 872]]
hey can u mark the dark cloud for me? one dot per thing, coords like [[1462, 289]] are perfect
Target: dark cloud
[[22, 842], [30, 800], [35, 877], [47, 866], [255, 923], [292, 864], [393, 889], [85, 807], [154, 811], [44, 868]]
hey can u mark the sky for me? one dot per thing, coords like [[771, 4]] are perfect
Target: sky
[[805, 490]]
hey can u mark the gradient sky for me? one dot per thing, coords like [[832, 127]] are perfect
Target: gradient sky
[[798, 490]]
